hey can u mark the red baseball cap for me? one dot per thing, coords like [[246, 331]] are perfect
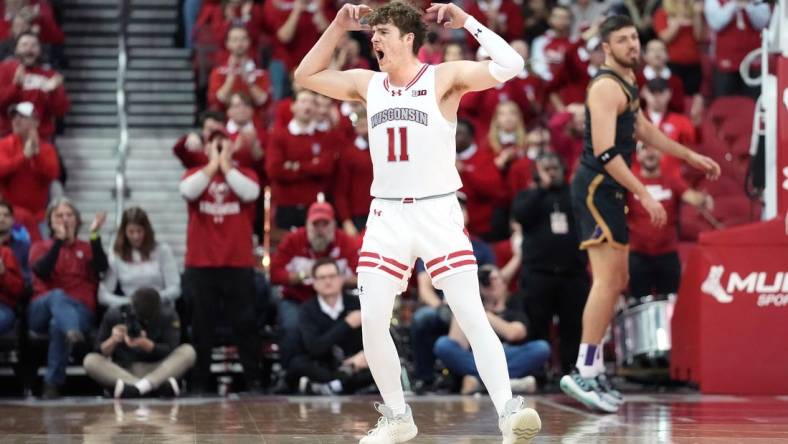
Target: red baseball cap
[[320, 211]]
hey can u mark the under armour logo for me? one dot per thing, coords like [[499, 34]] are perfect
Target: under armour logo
[[396, 92], [377, 212], [477, 33]]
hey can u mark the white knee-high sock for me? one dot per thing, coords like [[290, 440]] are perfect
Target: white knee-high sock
[[377, 302], [599, 359], [462, 293]]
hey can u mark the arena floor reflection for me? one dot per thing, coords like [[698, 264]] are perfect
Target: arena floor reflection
[[450, 420]]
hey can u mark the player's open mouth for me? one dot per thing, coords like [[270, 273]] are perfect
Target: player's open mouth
[[379, 54]]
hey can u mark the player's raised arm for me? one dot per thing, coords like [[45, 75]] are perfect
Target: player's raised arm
[[313, 73], [476, 76]]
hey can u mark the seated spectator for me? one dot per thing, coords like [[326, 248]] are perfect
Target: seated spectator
[[586, 13], [656, 58], [553, 279], [640, 12], [334, 125], [216, 18], [678, 127], [524, 358], [15, 237], [38, 16], [432, 319], [482, 182], [503, 17], [294, 26], [530, 84], [138, 260], [453, 51], [239, 74], [506, 137], [19, 25], [536, 16], [654, 266], [548, 51], [566, 134], [28, 166], [348, 55], [139, 350], [521, 174], [12, 284], [330, 359], [354, 178], [736, 30], [431, 52], [24, 79], [292, 262], [247, 136], [66, 273], [476, 105], [299, 164], [219, 257], [681, 26], [190, 148], [581, 63]]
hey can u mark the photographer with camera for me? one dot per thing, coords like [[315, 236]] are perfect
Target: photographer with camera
[[524, 356], [553, 278], [138, 349]]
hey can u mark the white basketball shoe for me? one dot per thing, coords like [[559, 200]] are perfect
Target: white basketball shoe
[[391, 428], [519, 424]]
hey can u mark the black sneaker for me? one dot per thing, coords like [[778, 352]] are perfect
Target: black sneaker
[[587, 391], [609, 392], [50, 391], [169, 389], [125, 391]]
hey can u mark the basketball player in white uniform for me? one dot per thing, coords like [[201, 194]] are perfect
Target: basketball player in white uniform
[[411, 113]]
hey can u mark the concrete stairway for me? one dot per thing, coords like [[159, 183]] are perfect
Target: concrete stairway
[[159, 79], [160, 106], [153, 175]]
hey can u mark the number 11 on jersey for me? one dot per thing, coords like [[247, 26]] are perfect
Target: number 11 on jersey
[[403, 144]]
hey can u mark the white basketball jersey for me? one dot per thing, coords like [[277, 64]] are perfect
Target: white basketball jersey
[[411, 143]]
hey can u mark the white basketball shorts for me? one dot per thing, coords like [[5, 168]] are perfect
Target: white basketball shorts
[[400, 231]]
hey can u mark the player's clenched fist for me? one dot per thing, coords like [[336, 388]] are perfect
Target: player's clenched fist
[[349, 17], [451, 15]]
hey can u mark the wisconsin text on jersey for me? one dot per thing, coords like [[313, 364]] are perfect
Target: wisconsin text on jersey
[[392, 114]]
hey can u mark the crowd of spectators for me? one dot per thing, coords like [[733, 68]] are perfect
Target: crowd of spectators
[[517, 148]]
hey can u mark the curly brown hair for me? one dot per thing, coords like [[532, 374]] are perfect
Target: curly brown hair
[[405, 17]]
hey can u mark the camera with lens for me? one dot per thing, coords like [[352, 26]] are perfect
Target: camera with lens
[[133, 325]]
